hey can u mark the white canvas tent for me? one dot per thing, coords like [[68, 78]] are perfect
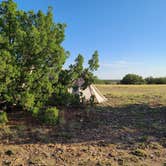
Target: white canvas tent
[[88, 92], [93, 91]]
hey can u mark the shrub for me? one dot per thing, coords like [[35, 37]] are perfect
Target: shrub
[[35, 111], [50, 116], [132, 79], [31, 55], [3, 118], [62, 97], [9, 152], [92, 100], [159, 80], [65, 99]]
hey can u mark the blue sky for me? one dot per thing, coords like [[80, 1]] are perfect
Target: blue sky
[[130, 35]]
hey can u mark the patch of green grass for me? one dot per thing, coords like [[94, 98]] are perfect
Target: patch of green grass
[[20, 127], [3, 118]]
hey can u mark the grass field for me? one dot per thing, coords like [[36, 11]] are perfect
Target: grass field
[[121, 95], [130, 130]]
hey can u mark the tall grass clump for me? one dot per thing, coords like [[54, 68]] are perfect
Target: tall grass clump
[[50, 116], [3, 117]]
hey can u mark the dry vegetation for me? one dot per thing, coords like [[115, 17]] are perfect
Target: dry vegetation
[[130, 130], [121, 95]]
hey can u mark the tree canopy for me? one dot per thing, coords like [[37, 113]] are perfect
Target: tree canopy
[[132, 79], [32, 57]]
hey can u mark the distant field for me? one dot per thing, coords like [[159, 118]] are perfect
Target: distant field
[[120, 95], [108, 82]]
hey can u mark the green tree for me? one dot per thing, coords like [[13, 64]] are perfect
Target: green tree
[[68, 77], [158, 80], [78, 70], [94, 62], [31, 55], [132, 79]]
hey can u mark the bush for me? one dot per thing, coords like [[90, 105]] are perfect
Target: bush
[[32, 57], [132, 79], [35, 112], [159, 80], [67, 99], [3, 118], [62, 97], [50, 116]]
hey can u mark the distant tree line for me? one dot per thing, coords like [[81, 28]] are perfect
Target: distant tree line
[[152, 80], [99, 81], [134, 79]]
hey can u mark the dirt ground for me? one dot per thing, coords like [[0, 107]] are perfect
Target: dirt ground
[[129, 130]]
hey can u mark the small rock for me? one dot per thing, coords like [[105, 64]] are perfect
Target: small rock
[[59, 150], [9, 152], [120, 162], [7, 162], [112, 154], [84, 150], [151, 156], [51, 145], [81, 120]]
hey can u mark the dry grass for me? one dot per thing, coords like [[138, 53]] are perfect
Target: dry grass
[[120, 95]]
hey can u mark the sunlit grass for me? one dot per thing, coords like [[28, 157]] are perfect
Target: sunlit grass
[[119, 95]]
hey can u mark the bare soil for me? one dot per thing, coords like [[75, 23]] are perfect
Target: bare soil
[[105, 135]]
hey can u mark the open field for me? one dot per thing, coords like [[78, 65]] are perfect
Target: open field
[[130, 130], [121, 95]]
